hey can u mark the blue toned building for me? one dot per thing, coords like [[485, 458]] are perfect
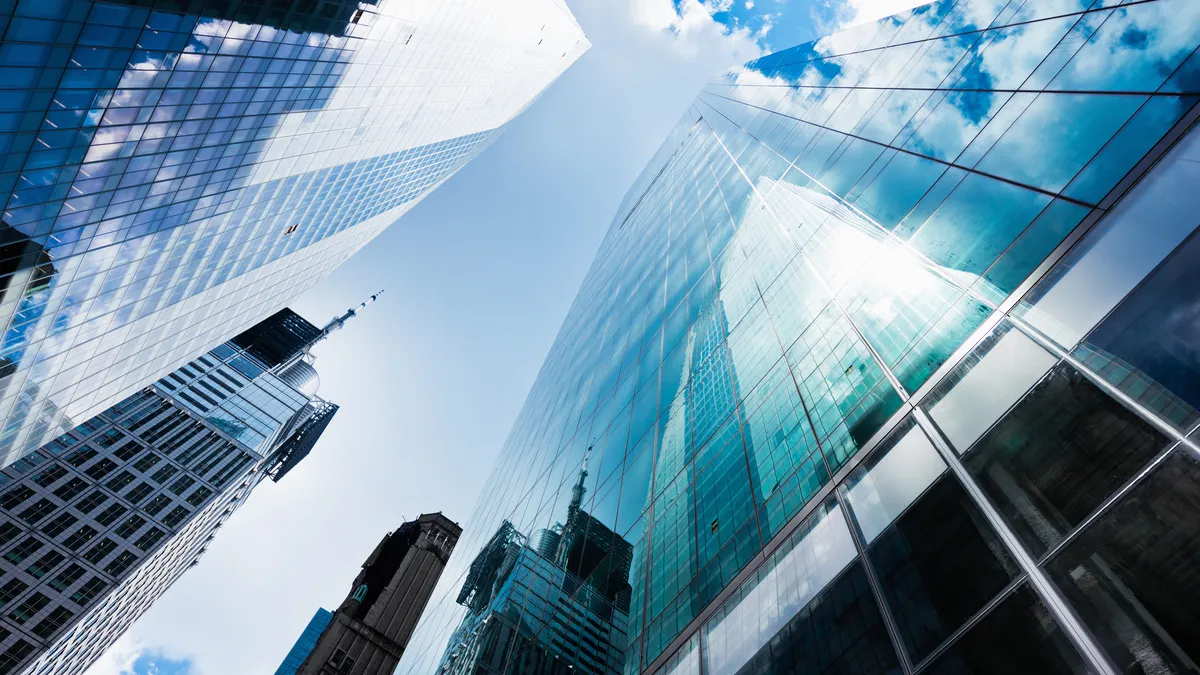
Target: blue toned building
[[888, 362], [305, 643], [172, 172]]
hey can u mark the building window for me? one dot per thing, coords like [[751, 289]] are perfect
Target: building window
[[50, 475], [149, 539], [12, 589], [108, 438], [8, 532], [44, 564], [17, 554], [70, 489], [110, 515], [90, 502], [165, 474], [121, 563], [53, 621], [199, 496], [81, 456], [40, 509], [139, 492], [183, 484], [59, 525], [15, 497], [81, 536], [157, 504], [127, 451], [100, 551], [127, 528], [15, 654], [147, 462], [101, 469], [66, 578], [119, 481], [175, 517], [88, 591], [27, 609]]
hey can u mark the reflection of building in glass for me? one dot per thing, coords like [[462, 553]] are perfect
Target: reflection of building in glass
[[172, 173], [369, 632], [888, 361], [557, 605], [98, 523]]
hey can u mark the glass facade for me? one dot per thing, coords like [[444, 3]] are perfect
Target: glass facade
[[305, 643], [888, 362], [172, 171]]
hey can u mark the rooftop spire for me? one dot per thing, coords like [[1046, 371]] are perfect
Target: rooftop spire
[[338, 321]]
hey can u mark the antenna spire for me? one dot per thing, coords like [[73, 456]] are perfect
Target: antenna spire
[[338, 321]]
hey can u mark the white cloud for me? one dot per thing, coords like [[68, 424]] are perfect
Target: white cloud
[[119, 658], [693, 26], [847, 13]]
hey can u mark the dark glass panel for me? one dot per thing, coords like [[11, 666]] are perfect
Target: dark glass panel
[[839, 631], [1148, 345], [1018, 636], [937, 561], [1058, 454], [1134, 575]]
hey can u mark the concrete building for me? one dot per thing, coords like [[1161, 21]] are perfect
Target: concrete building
[[369, 632]]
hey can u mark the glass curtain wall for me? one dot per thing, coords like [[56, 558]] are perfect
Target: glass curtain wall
[[888, 362]]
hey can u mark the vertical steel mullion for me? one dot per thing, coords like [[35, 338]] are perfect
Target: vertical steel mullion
[[1080, 637], [889, 623]]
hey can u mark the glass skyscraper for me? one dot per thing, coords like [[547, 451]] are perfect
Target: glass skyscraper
[[888, 362], [174, 170], [97, 524]]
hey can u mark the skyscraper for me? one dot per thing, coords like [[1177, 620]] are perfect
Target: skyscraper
[[887, 363], [172, 172], [97, 524], [368, 633]]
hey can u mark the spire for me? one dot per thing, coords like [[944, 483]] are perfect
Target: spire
[[338, 321], [573, 510]]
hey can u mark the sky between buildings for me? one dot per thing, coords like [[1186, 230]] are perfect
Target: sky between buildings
[[478, 277]]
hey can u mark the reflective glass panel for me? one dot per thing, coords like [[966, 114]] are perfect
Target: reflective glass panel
[[1131, 575], [938, 561], [1017, 636]]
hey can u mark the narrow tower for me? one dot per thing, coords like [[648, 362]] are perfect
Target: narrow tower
[[370, 630]]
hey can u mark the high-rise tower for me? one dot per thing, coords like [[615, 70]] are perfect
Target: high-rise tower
[[171, 173], [888, 364], [368, 633], [97, 524]]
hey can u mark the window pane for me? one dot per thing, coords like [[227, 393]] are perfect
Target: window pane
[[938, 561], [1063, 450], [884, 487], [1132, 574], [1147, 346], [1002, 368], [1123, 248], [1018, 636], [792, 580]]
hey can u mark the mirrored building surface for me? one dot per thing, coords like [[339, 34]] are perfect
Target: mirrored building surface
[[888, 361], [173, 171]]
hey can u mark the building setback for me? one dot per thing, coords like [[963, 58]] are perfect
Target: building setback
[[887, 364], [173, 172], [368, 633], [305, 643], [97, 524]]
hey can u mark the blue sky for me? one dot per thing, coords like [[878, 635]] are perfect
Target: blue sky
[[479, 277]]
